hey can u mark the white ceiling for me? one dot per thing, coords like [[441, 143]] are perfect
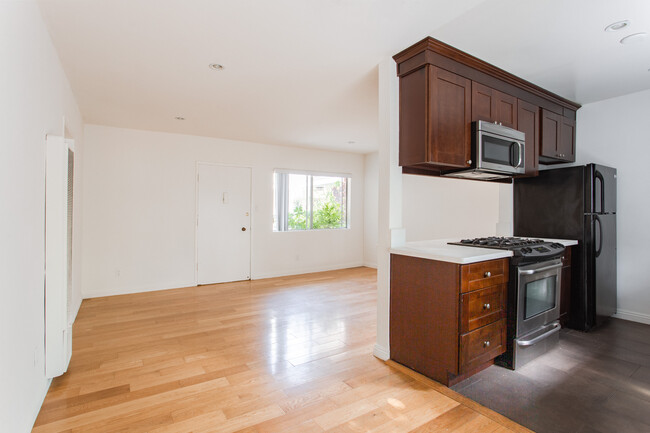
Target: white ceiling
[[304, 72]]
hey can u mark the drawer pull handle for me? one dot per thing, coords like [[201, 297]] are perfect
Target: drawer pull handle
[[486, 343], [488, 274], [486, 306]]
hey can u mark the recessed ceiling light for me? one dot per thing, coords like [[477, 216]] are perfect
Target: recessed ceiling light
[[634, 38], [619, 25], [215, 66], [179, 118]]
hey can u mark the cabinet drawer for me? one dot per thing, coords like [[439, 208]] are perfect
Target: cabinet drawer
[[482, 307], [482, 345], [483, 274]]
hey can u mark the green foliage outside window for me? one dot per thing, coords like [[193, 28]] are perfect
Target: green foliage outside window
[[297, 219], [328, 215], [315, 202]]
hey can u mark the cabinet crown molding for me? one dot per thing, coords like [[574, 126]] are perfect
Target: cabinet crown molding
[[434, 52]]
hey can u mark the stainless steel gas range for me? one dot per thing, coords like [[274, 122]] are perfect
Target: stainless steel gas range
[[533, 295]]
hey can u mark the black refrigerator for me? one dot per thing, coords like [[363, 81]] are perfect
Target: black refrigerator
[[576, 203]]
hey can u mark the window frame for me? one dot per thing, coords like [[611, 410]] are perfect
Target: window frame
[[309, 200]]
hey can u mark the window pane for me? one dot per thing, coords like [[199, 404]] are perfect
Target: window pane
[[297, 213], [329, 202]]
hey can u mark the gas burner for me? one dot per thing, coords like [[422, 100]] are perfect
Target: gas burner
[[504, 243], [524, 250]]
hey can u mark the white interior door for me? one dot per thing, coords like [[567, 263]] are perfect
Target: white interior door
[[223, 224]]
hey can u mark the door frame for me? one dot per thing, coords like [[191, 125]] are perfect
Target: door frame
[[196, 215]]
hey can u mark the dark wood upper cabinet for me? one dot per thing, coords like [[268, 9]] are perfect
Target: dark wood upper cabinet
[[450, 133], [435, 124], [528, 123], [567, 144], [493, 106], [557, 138], [442, 90]]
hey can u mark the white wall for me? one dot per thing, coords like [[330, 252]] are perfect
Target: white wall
[[614, 132], [140, 209], [439, 208], [35, 98], [371, 209]]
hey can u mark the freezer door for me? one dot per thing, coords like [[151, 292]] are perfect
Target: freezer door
[[601, 194], [601, 269]]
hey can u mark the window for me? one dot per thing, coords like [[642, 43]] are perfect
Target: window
[[304, 201]]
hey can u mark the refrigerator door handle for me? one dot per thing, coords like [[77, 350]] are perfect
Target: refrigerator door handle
[[598, 175], [600, 235]]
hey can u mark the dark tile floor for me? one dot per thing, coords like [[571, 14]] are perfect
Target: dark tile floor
[[596, 382]]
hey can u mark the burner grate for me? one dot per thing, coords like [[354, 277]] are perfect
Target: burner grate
[[501, 242]]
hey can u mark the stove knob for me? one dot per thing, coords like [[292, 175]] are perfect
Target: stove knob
[[487, 274]]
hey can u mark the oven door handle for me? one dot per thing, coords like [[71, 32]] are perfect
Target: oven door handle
[[545, 268], [556, 328]]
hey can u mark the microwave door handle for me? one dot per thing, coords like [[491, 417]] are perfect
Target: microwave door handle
[[512, 154], [520, 145]]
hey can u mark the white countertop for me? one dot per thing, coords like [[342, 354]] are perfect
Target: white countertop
[[439, 249]]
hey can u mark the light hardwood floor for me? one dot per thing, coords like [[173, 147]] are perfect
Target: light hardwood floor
[[291, 354]]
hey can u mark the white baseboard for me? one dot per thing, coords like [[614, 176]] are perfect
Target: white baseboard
[[633, 316], [168, 286], [306, 270], [381, 352], [129, 290]]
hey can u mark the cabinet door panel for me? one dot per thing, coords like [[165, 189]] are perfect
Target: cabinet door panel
[[528, 123], [484, 105], [506, 110], [566, 145], [550, 134], [493, 106], [450, 129]]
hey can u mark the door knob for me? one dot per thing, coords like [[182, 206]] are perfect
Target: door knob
[[243, 229]]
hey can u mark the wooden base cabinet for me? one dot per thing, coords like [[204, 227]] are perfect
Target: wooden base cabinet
[[447, 321]]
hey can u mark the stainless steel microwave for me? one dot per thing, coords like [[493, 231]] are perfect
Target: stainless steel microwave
[[497, 152]]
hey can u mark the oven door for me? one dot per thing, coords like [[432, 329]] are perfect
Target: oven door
[[538, 295]]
